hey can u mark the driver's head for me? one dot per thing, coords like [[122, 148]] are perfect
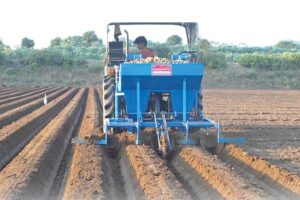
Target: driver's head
[[141, 42]]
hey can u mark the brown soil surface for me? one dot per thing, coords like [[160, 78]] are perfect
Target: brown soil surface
[[15, 136], [13, 104], [9, 90], [31, 174], [289, 153], [153, 175], [86, 178], [16, 93], [270, 122], [228, 183], [278, 175], [253, 107], [23, 95], [269, 119], [13, 115]]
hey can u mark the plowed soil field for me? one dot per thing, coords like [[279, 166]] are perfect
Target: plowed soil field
[[39, 161]]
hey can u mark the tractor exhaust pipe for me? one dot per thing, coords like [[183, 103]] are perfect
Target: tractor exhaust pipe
[[127, 43]]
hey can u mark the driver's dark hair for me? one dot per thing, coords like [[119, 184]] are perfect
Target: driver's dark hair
[[140, 40]]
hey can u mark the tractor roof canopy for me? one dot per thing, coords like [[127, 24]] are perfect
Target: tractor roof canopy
[[191, 28]]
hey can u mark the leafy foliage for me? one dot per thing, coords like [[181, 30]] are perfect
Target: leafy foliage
[[162, 50], [287, 44], [4, 51], [205, 45], [210, 57], [2, 58], [76, 50], [213, 59], [55, 42], [73, 50], [76, 60], [90, 37], [174, 40], [285, 60], [283, 55], [27, 43], [49, 56]]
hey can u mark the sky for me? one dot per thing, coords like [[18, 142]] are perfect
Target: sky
[[252, 22]]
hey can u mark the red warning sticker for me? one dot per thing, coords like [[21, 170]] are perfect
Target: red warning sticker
[[162, 70]]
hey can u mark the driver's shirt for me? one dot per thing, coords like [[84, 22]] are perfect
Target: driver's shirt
[[148, 53]]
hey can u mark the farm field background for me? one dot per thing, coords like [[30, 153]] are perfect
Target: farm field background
[[38, 160]]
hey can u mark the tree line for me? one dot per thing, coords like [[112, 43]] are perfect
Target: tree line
[[77, 50]]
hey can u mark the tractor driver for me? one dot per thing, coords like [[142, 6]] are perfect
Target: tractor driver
[[141, 44]]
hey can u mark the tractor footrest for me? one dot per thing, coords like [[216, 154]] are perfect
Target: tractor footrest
[[231, 140]]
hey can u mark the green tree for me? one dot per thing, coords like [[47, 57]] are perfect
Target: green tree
[[72, 41], [162, 50], [89, 37], [205, 45], [27, 43], [55, 42], [2, 56], [174, 40], [287, 44], [2, 46]]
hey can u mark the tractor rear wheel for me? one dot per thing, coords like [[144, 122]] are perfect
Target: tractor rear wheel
[[200, 104], [108, 96]]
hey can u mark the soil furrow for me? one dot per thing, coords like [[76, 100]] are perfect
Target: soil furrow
[[212, 173], [86, 179], [11, 90], [15, 114], [31, 174], [153, 178], [24, 95], [18, 93], [280, 179], [16, 135], [12, 105]]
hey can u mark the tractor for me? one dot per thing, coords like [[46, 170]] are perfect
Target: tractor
[[164, 94]]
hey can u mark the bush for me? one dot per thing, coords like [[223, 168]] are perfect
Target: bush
[[287, 44], [49, 56], [162, 50], [213, 60], [20, 53], [285, 60], [2, 58], [54, 56], [4, 50]]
